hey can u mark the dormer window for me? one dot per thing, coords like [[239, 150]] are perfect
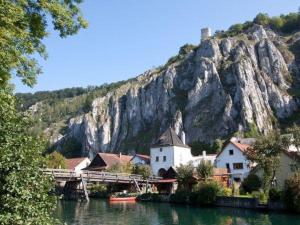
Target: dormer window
[[230, 152], [160, 149]]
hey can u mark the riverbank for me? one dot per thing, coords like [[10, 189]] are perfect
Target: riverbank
[[220, 201]]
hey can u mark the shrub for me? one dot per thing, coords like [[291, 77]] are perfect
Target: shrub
[[275, 194], [143, 170], [180, 197], [153, 197], [291, 193], [261, 196], [208, 192], [99, 190], [251, 183]]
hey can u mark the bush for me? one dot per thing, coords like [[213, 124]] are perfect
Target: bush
[[143, 170], [275, 194], [261, 196], [153, 197], [99, 190], [208, 192], [251, 183], [291, 193], [180, 197]]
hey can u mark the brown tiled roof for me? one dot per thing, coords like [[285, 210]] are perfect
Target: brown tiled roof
[[169, 138], [220, 171], [72, 163], [111, 159], [240, 146]]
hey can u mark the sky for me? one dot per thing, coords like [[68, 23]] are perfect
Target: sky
[[127, 37]]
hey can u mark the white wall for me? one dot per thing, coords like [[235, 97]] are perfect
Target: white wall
[[84, 163], [174, 157], [166, 151], [237, 157], [138, 161]]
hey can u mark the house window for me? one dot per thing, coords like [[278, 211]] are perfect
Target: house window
[[165, 158], [238, 166], [231, 152], [160, 149], [227, 166], [157, 159]]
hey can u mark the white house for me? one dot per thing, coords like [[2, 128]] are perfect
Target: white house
[[234, 158], [171, 151], [139, 159], [77, 164]]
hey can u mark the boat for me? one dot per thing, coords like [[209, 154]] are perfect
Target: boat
[[122, 199]]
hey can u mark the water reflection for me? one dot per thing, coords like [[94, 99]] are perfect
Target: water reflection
[[102, 212]]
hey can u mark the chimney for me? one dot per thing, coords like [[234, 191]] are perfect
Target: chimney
[[120, 155], [204, 154], [183, 137]]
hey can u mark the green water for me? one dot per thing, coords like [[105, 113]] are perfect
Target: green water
[[103, 213]]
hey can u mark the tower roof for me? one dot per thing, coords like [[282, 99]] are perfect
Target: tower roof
[[169, 138]]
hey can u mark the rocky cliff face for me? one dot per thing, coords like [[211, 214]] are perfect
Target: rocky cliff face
[[220, 87]]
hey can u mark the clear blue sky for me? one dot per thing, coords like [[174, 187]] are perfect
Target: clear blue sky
[[127, 37]]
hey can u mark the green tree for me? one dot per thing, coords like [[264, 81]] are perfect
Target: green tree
[[185, 176], [291, 193], [143, 170], [24, 188], [262, 19], [23, 27], [55, 160], [205, 169], [251, 183], [266, 153]]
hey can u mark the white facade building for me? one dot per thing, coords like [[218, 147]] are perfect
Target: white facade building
[[139, 159], [170, 151], [233, 158]]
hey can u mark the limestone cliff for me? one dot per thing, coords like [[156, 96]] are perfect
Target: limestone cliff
[[210, 91]]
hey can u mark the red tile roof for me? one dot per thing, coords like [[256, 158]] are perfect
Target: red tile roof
[[111, 159], [72, 163]]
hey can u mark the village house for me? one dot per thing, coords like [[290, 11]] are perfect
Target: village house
[[233, 157], [288, 166], [77, 164], [171, 151], [104, 161], [139, 159]]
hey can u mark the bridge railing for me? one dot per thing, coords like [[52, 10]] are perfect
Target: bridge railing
[[96, 175]]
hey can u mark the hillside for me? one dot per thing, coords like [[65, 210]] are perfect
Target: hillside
[[241, 80]]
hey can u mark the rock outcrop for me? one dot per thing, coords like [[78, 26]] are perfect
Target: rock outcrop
[[220, 87]]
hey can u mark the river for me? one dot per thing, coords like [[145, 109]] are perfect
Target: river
[[101, 212]]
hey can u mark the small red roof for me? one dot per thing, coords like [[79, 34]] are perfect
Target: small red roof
[[240, 146], [143, 157], [72, 163]]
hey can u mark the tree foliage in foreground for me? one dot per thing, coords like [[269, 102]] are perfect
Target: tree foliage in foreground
[[185, 176], [292, 193], [24, 188], [23, 26]]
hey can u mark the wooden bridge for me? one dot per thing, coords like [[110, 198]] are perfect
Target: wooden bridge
[[76, 181]]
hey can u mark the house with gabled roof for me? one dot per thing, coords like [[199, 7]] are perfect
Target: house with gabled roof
[[170, 150], [104, 161], [139, 159], [77, 164], [234, 157]]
